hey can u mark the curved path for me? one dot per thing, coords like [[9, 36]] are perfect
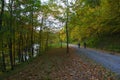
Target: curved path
[[109, 61]]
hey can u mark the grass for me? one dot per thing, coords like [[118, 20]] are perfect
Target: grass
[[57, 45]]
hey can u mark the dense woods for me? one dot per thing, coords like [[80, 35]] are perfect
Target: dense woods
[[24, 23], [96, 22]]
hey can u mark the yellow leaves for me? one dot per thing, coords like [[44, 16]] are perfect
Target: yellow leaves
[[75, 33], [62, 34], [63, 37], [91, 9]]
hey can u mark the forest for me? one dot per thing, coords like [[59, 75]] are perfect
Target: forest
[[31, 27]]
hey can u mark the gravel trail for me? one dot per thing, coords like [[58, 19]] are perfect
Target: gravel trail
[[109, 61]]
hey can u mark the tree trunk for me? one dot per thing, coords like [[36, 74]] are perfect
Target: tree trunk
[[10, 35], [19, 53], [32, 49], [67, 36], [3, 59], [21, 45], [14, 47], [47, 39], [10, 53], [1, 15], [40, 36]]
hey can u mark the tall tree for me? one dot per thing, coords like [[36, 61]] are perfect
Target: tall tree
[[1, 26], [67, 36], [10, 44], [1, 13]]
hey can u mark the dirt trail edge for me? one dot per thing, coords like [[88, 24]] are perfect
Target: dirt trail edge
[[109, 61]]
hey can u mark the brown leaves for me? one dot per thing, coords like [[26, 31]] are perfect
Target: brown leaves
[[55, 65]]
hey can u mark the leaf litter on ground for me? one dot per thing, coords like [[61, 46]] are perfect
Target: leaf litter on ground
[[56, 64]]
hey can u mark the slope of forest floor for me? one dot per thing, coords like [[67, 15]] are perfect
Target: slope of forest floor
[[55, 64]]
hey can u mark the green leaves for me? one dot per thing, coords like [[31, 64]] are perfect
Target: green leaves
[[93, 17], [92, 3]]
